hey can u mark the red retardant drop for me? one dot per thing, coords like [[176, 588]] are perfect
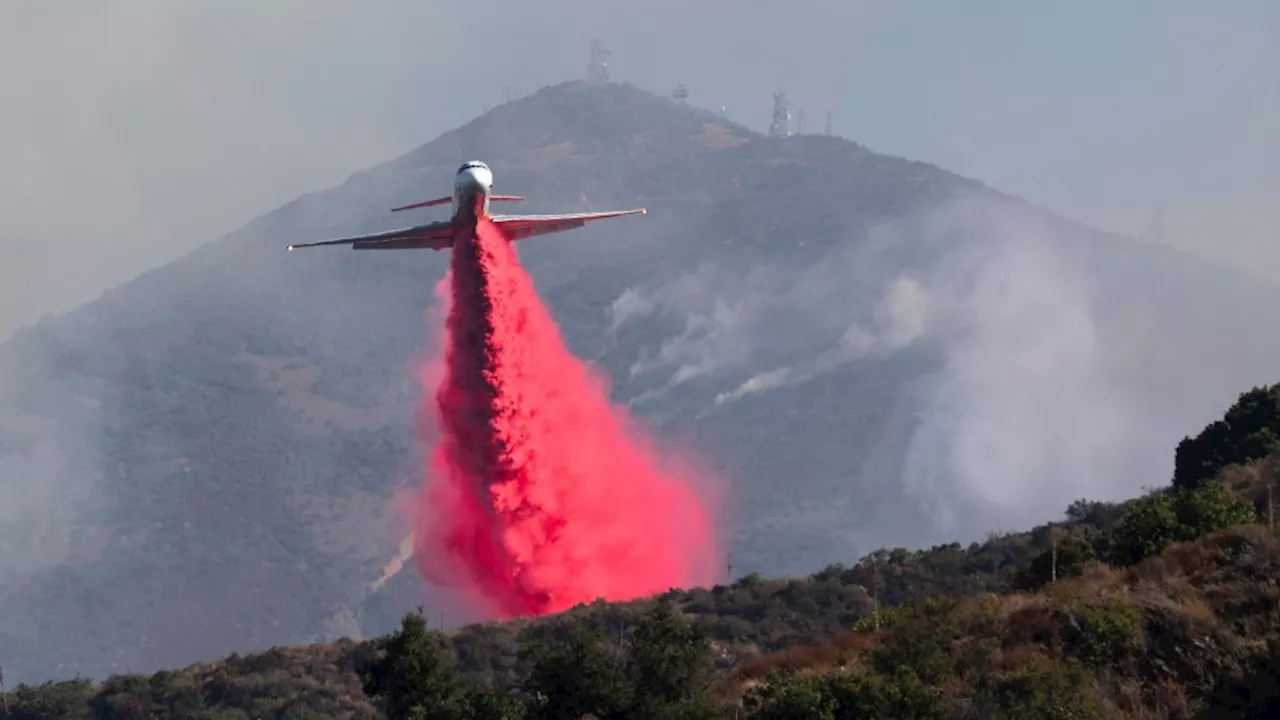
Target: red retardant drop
[[540, 494]]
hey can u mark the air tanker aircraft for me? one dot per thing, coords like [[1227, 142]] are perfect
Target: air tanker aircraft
[[472, 193]]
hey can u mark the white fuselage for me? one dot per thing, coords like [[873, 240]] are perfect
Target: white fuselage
[[472, 178]]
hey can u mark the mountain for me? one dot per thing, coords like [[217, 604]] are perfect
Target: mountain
[[872, 351]]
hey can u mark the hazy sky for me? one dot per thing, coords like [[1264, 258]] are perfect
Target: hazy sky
[[137, 129]]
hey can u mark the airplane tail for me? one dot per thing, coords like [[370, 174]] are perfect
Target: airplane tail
[[447, 200]]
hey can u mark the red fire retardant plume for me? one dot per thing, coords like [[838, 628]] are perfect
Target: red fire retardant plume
[[539, 494]]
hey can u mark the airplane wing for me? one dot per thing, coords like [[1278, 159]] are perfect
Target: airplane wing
[[430, 236], [522, 226]]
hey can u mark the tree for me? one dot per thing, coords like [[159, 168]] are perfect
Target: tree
[[488, 704], [414, 680], [669, 660], [663, 671], [1066, 558], [785, 694], [1250, 430], [68, 699], [577, 675], [1093, 512], [865, 694]]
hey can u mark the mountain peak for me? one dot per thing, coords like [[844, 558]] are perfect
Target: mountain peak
[[577, 118]]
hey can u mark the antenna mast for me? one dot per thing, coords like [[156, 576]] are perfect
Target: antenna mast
[[598, 70], [781, 125]]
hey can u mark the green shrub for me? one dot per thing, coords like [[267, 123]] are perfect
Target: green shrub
[[1105, 634], [868, 694], [1162, 517], [1043, 693]]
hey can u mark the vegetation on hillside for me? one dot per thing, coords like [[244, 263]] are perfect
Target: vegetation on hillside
[[1161, 607]]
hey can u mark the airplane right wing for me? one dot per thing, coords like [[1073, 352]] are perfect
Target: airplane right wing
[[518, 227], [430, 236]]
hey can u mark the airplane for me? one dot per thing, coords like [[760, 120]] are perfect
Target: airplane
[[472, 193]]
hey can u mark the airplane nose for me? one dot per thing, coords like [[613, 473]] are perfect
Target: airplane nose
[[475, 179]]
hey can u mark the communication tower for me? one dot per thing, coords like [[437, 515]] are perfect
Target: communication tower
[[598, 70], [781, 125], [826, 130], [680, 94]]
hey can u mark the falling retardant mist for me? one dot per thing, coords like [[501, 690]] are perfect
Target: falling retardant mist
[[539, 494]]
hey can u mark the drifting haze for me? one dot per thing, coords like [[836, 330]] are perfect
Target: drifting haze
[[143, 128]]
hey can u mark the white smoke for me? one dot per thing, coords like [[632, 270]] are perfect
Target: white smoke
[[899, 318], [1030, 408], [1028, 413], [733, 321]]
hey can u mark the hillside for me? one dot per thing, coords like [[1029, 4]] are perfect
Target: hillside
[[873, 351], [1163, 606]]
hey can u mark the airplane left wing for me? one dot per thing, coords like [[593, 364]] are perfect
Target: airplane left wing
[[518, 227], [430, 236]]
